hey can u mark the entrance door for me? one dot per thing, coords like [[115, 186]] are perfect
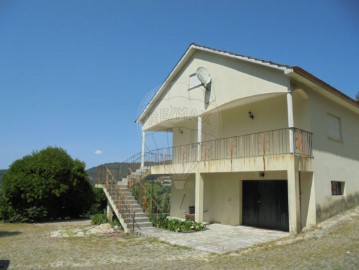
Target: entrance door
[[265, 204]]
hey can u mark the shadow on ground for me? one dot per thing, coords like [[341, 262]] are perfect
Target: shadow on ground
[[5, 234], [4, 264]]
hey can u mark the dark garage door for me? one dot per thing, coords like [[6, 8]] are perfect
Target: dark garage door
[[265, 204]]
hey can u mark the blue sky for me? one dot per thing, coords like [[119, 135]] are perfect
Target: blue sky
[[73, 73]]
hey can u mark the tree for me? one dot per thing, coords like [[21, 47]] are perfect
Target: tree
[[45, 185]]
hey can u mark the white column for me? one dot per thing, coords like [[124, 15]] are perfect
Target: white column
[[199, 137], [293, 197], [199, 198], [143, 148], [290, 120]]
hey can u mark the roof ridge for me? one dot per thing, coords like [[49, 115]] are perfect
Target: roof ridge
[[240, 55]]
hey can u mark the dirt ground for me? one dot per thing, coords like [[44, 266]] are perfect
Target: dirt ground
[[333, 244]]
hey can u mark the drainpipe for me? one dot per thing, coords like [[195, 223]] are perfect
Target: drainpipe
[[143, 149], [290, 120], [199, 137]]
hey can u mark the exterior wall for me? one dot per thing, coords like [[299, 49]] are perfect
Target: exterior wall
[[239, 87], [231, 80], [222, 195], [182, 195], [334, 160], [301, 110], [307, 199], [223, 198], [269, 114]]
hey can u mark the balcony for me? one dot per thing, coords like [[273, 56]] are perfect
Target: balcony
[[269, 144]]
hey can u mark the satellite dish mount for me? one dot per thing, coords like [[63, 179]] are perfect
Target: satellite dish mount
[[204, 77]]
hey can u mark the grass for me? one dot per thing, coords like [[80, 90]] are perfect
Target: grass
[[29, 246]]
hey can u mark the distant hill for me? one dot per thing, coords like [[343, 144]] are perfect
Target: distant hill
[[117, 169]]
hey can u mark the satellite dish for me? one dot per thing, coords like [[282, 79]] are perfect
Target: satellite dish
[[203, 76]]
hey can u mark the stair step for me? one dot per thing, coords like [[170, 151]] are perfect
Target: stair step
[[113, 190], [142, 219], [144, 224]]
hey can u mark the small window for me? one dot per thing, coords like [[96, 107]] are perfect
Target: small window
[[334, 128], [337, 188], [193, 81]]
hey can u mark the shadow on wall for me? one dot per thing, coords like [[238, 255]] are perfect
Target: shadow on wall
[[334, 208], [4, 264]]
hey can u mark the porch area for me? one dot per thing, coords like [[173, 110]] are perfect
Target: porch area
[[217, 238]]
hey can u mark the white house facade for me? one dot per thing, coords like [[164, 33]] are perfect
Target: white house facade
[[258, 143]]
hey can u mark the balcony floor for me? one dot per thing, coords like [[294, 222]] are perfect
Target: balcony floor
[[248, 164]]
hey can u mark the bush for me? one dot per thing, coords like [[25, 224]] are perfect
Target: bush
[[99, 219], [45, 185], [100, 202], [176, 225]]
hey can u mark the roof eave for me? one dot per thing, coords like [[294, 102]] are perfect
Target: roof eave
[[306, 75], [171, 75]]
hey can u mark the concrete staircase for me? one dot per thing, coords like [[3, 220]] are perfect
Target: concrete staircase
[[127, 209]]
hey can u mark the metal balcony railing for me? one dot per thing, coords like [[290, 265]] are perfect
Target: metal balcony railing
[[274, 142]]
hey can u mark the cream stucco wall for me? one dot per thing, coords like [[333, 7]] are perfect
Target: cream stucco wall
[[182, 195], [237, 88], [231, 80], [222, 195], [334, 160]]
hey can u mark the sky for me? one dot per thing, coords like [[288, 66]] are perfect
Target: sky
[[74, 73]]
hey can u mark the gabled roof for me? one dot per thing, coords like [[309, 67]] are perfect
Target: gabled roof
[[287, 69]]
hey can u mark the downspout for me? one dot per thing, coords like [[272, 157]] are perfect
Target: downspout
[[199, 137], [290, 113], [290, 120]]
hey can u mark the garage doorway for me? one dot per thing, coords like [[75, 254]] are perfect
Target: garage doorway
[[265, 204]]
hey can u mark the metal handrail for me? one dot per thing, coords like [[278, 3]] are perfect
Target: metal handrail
[[274, 142], [110, 183], [137, 181]]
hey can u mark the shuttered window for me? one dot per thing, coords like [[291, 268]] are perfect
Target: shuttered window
[[334, 128]]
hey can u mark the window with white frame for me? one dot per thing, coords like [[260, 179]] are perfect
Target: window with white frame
[[337, 188], [334, 128]]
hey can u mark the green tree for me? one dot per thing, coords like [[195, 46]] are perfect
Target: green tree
[[47, 184]]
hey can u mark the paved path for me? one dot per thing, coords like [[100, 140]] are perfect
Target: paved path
[[217, 238]]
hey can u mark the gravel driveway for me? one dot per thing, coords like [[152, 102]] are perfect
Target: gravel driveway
[[333, 244]]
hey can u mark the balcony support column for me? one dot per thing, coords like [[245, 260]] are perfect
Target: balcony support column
[[290, 120], [143, 149], [293, 196], [199, 137], [199, 198]]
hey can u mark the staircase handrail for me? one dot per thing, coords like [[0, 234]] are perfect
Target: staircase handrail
[[142, 186], [111, 182]]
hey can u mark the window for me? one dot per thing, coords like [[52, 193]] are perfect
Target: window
[[334, 128], [337, 188]]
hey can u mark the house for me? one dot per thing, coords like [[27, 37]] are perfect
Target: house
[[253, 142]]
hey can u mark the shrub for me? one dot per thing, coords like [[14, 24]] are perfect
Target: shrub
[[99, 219], [45, 185], [100, 202], [176, 225]]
